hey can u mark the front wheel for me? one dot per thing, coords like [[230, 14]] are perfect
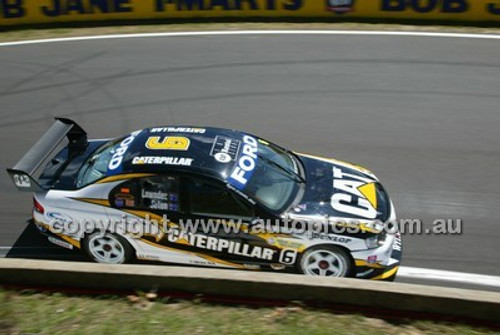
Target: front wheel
[[325, 261], [107, 248]]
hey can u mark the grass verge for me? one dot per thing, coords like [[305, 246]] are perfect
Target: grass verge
[[27, 33], [29, 312]]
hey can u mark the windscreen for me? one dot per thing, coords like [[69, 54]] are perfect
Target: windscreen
[[266, 173]]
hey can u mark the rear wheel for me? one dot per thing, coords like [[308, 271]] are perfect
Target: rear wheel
[[325, 261], [108, 248]]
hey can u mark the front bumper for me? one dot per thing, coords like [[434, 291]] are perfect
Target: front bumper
[[381, 263]]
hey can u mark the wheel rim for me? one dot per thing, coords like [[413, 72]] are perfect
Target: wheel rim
[[107, 249], [324, 263]]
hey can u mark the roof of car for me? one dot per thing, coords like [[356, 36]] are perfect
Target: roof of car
[[206, 150]]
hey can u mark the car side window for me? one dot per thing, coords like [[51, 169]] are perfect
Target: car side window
[[208, 198], [149, 193]]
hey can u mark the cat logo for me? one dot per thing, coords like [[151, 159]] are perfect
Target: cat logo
[[355, 195]]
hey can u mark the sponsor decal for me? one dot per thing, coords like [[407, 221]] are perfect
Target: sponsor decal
[[154, 195], [45, 11], [272, 6], [366, 273], [59, 218], [246, 163], [161, 205], [161, 160], [161, 200], [354, 195], [124, 200], [225, 149], [222, 245], [330, 237], [371, 259], [277, 266], [60, 243], [117, 158], [178, 130], [222, 157], [443, 6], [168, 143], [22, 180], [397, 244], [340, 6], [284, 243], [199, 262], [148, 257], [174, 207]]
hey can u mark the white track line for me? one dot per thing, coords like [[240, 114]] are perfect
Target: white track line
[[256, 32], [451, 276], [10, 248], [419, 273]]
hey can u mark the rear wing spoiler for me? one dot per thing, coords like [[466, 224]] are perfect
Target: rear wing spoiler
[[22, 173]]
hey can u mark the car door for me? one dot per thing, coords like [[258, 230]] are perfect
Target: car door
[[220, 220]]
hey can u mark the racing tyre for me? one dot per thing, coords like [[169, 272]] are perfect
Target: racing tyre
[[325, 261], [108, 248]]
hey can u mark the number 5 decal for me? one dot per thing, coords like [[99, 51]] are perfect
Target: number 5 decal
[[168, 143]]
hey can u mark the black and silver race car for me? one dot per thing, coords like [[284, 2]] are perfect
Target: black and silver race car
[[209, 197]]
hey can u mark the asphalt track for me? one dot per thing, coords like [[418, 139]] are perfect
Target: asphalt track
[[421, 112]]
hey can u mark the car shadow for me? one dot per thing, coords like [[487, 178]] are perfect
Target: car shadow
[[32, 244]]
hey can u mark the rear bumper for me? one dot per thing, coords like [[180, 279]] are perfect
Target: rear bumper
[[57, 239]]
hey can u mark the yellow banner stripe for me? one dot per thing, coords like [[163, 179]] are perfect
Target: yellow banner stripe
[[46, 11]]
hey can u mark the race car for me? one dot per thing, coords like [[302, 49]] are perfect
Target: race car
[[209, 197]]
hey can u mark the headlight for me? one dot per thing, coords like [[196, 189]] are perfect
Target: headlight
[[375, 241]]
